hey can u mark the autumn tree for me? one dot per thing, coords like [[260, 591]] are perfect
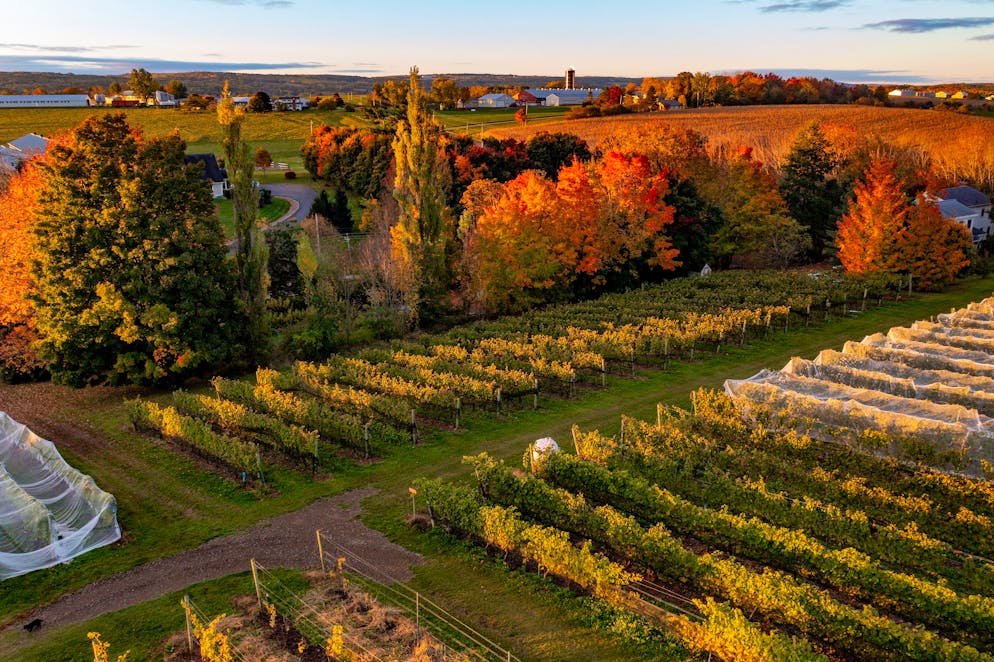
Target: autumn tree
[[758, 228], [883, 232], [176, 88], [143, 84], [251, 253], [263, 159], [809, 187], [421, 237], [549, 152], [18, 327], [129, 269], [867, 235], [933, 249]]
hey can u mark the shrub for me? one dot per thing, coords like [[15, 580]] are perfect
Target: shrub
[[289, 174]]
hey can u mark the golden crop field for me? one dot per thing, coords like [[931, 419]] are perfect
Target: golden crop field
[[960, 146]]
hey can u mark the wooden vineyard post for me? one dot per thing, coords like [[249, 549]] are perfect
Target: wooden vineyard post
[[255, 580], [258, 463], [866, 291], [659, 418], [189, 629], [499, 399], [417, 616], [576, 446], [603, 375], [414, 437], [365, 437], [459, 409], [324, 570], [535, 393]]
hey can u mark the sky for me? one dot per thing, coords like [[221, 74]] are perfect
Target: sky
[[891, 41]]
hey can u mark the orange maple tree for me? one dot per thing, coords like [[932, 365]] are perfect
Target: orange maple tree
[[883, 232], [17, 319], [867, 236], [527, 241]]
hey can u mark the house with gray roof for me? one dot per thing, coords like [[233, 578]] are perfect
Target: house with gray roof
[[215, 174], [495, 100], [969, 196]]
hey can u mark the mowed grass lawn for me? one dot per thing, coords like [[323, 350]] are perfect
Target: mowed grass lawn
[[168, 503], [268, 214], [474, 122]]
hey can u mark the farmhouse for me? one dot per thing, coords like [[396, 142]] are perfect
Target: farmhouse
[[289, 103], [17, 151], [213, 173], [44, 101], [495, 100]]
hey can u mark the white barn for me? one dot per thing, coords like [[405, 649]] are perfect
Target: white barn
[[17, 151], [44, 101], [570, 97], [495, 100]]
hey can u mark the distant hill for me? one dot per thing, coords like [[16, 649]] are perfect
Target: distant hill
[[211, 82]]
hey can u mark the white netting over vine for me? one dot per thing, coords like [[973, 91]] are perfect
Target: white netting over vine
[[932, 382], [49, 512]]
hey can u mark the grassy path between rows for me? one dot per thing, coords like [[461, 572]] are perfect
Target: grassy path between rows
[[533, 623]]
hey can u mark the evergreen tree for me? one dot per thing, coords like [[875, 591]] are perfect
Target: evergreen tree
[[251, 252], [131, 282], [423, 234], [812, 194]]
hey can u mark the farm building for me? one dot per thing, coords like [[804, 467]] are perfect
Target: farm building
[[570, 97], [17, 151], [213, 173], [902, 93], [496, 100], [163, 98], [526, 98], [969, 196], [289, 103], [44, 101]]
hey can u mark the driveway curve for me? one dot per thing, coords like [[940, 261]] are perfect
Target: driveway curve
[[301, 197]]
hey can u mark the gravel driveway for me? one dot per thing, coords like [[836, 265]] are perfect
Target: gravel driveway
[[286, 541]]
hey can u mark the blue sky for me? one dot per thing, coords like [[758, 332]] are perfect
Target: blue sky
[[849, 40]]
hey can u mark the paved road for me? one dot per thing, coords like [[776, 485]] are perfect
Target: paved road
[[301, 194]]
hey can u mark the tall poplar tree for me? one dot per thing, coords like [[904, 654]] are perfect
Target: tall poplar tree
[[131, 283], [251, 252], [422, 237]]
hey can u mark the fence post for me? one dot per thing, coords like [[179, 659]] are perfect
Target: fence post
[[189, 630], [659, 418], [255, 580], [365, 437], [535, 394], [459, 410], [324, 570]]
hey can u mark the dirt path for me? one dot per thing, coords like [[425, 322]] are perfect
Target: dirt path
[[285, 541]]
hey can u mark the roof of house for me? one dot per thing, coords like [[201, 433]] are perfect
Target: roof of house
[[497, 96], [525, 95], [32, 143], [955, 209], [966, 195], [212, 170], [563, 94]]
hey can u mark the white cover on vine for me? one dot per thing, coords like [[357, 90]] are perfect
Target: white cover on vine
[[933, 381], [50, 513]]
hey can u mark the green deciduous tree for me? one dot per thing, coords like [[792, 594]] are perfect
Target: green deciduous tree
[[421, 238], [143, 84], [251, 253], [260, 103], [176, 88], [130, 272]]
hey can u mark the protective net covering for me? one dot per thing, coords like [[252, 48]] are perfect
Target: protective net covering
[[932, 382], [49, 512]]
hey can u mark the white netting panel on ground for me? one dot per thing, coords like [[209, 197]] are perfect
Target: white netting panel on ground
[[50, 513], [933, 382]]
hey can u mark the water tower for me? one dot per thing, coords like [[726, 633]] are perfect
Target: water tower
[[570, 79]]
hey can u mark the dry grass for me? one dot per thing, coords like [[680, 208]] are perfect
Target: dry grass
[[960, 146]]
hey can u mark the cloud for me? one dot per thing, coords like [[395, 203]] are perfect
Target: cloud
[[60, 49], [794, 5], [983, 37], [357, 72], [803, 6], [111, 66], [921, 25]]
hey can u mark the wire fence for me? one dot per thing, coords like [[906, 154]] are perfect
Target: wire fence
[[444, 626]]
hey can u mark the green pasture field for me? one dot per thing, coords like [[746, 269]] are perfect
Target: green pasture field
[[478, 121], [269, 213], [153, 483]]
